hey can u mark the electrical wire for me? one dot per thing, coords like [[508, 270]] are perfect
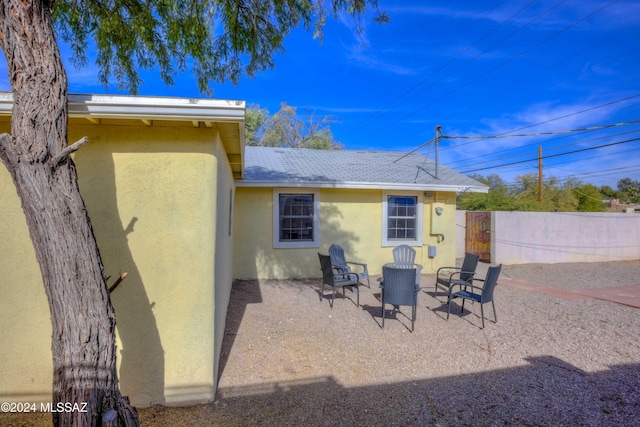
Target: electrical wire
[[547, 149], [554, 155], [557, 132], [408, 91], [606, 104], [554, 65], [513, 58]]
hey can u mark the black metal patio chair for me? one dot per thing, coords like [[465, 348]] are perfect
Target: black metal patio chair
[[337, 280], [481, 295], [399, 287], [343, 266], [448, 276]]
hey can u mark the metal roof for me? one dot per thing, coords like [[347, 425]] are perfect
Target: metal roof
[[299, 167]]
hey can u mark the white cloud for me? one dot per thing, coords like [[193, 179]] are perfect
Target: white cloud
[[366, 58], [470, 154]]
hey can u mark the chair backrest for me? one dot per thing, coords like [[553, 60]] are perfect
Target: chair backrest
[[399, 285], [490, 283], [404, 256], [469, 265], [327, 269], [337, 255]]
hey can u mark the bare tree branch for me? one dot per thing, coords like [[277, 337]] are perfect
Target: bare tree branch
[[62, 154]]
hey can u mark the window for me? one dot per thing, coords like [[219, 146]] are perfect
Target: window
[[402, 219], [296, 219], [230, 211]]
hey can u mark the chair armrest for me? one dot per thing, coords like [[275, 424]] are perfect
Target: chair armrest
[[341, 268], [472, 273], [347, 277], [357, 263], [473, 279], [354, 274], [446, 268], [363, 265]]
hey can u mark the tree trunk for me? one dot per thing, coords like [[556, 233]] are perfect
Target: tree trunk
[[83, 340]]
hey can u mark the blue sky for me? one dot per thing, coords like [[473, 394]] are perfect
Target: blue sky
[[475, 68]]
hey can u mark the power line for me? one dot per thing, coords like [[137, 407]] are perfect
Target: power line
[[513, 58], [594, 173], [565, 180], [554, 155], [565, 58], [551, 148], [408, 91], [601, 173], [497, 43], [599, 156], [606, 104], [557, 132]]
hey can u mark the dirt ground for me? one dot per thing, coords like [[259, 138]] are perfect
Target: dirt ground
[[557, 355]]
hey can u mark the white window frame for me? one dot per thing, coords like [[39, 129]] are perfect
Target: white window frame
[[315, 243], [419, 219]]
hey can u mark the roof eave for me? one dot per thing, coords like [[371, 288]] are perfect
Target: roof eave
[[146, 107], [363, 186], [229, 115]]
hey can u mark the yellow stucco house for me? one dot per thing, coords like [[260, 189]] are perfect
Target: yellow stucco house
[[179, 203], [366, 201]]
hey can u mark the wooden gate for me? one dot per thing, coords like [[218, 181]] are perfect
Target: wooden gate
[[478, 234]]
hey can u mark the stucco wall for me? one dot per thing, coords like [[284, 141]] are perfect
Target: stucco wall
[[352, 218], [25, 328], [225, 192], [553, 237], [151, 193]]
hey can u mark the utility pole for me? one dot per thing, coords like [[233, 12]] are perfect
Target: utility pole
[[540, 174], [436, 139]]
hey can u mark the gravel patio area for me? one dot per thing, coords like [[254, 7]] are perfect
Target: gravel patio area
[[556, 356], [289, 359]]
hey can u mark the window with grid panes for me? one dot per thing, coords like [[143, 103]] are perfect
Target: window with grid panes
[[401, 217], [296, 221]]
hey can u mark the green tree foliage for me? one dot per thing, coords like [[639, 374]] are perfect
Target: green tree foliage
[[524, 195], [218, 40], [629, 189], [497, 199], [255, 119], [559, 197], [589, 198], [286, 129], [609, 193]]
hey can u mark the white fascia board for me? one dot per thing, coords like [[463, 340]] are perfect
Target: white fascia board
[[146, 107], [362, 186]]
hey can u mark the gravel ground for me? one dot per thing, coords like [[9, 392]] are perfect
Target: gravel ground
[[289, 359]]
